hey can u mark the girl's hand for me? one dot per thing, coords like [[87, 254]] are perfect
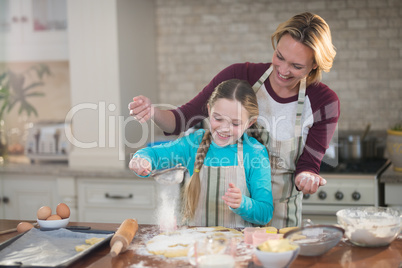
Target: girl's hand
[[140, 166], [141, 109], [232, 196], [308, 182]]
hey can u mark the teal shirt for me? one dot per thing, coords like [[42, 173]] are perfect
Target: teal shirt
[[258, 208]]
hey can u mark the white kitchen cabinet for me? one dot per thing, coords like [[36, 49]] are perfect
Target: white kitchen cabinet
[[33, 30], [23, 195], [114, 200]]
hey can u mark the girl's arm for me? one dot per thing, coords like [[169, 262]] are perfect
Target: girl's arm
[[258, 208], [180, 151]]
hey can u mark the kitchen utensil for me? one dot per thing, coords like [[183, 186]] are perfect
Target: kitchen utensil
[[270, 259], [168, 176], [54, 248], [53, 224], [354, 148], [315, 240], [123, 236], [366, 131], [215, 250], [248, 234], [370, 226]]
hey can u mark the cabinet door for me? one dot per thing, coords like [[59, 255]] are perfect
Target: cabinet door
[[113, 200], [33, 30], [25, 194]]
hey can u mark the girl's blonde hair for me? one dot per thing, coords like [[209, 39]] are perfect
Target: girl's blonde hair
[[311, 30], [233, 89]]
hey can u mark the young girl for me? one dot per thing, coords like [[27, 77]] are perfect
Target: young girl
[[230, 182]]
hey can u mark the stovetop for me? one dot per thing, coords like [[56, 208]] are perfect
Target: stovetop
[[369, 166]]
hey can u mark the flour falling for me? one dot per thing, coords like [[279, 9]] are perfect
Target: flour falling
[[168, 204]]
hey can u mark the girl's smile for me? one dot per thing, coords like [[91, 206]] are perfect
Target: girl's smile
[[228, 121]]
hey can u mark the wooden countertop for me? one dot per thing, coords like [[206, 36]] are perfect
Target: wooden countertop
[[342, 255]]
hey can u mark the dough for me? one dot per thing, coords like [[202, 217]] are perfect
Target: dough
[[89, 242], [82, 247], [94, 240], [176, 244], [286, 229]]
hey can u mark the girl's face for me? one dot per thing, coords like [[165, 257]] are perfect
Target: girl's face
[[228, 120], [292, 61]]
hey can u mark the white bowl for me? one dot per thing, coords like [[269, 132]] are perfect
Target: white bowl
[[55, 224], [276, 259], [370, 226]]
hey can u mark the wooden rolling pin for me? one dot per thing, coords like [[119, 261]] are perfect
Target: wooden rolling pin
[[123, 236]]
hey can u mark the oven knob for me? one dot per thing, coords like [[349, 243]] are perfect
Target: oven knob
[[356, 196], [339, 195], [322, 195], [306, 196]]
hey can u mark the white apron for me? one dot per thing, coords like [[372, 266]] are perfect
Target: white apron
[[283, 156], [212, 210]]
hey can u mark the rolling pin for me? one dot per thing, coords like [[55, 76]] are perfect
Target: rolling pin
[[123, 236]]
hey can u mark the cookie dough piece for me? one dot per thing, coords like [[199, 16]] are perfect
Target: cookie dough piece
[[286, 229], [82, 247], [94, 240]]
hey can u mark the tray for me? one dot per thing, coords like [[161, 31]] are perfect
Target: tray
[[53, 248]]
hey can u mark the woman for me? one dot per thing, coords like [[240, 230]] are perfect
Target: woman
[[299, 114]]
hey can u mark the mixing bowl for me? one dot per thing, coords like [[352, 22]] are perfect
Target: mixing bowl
[[277, 258], [370, 226], [315, 240]]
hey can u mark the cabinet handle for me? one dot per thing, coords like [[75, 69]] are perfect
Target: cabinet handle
[[118, 196], [24, 19], [15, 19], [6, 200]]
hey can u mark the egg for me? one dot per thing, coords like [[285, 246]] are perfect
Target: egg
[[44, 213], [24, 226], [54, 217], [63, 210]]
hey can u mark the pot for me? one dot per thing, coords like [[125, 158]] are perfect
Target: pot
[[354, 148]]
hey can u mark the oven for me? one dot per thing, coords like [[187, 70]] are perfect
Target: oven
[[349, 184]]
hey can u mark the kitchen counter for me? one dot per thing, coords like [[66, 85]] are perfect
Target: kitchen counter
[[391, 176], [343, 255], [21, 165]]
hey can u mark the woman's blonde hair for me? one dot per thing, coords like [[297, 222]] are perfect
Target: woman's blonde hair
[[312, 31], [233, 89]]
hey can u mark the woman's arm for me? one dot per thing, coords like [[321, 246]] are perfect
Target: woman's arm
[[142, 110]]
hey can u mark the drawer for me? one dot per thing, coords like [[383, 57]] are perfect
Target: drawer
[[117, 193], [116, 215]]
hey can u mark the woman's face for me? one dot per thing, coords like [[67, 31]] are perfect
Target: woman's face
[[292, 61], [228, 120]]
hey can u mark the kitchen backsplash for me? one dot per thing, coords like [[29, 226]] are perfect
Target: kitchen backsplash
[[196, 39]]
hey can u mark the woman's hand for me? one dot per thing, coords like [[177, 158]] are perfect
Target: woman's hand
[[232, 196], [308, 182], [141, 109], [140, 166]]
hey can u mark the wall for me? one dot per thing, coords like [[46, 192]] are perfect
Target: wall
[[52, 106], [196, 39]]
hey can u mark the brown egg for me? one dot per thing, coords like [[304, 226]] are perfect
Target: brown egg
[[24, 226], [54, 217], [44, 213], [63, 211]]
